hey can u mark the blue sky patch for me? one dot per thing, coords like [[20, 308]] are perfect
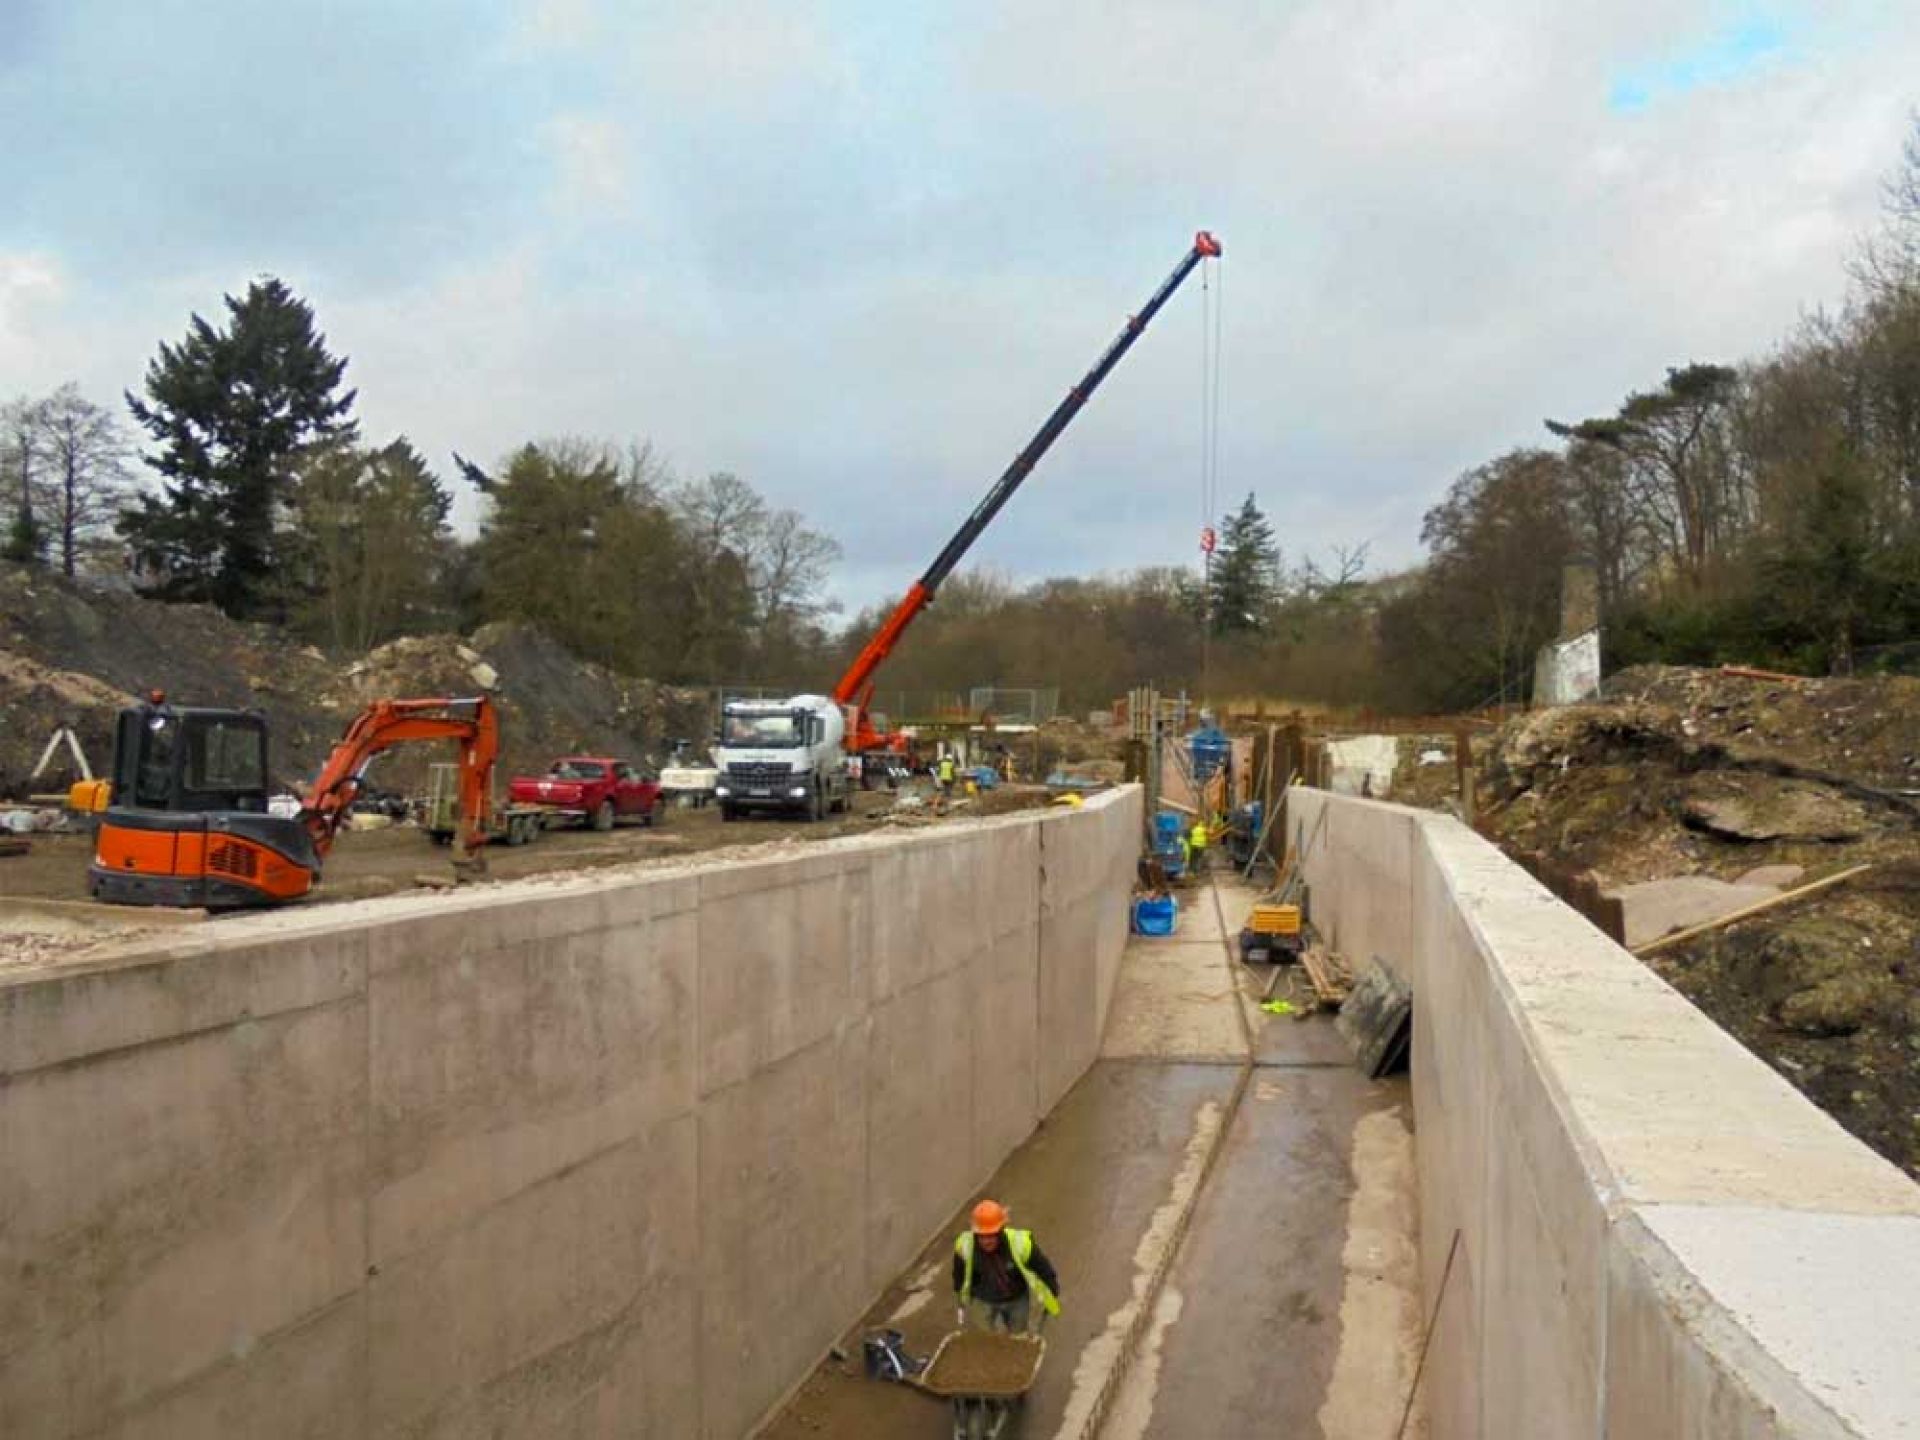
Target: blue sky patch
[[1731, 54]]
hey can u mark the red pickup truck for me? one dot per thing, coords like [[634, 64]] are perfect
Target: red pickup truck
[[597, 790]]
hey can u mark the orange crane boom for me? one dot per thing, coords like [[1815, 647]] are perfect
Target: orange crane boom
[[855, 690]]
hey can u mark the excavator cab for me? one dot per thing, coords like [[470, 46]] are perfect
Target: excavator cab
[[187, 822]]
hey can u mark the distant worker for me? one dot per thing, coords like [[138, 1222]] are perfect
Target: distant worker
[[1197, 844], [1002, 1270], [944, 773]]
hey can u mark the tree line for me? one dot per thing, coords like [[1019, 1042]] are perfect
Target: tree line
[[267, 502], [1766, 512], [1249, 624]]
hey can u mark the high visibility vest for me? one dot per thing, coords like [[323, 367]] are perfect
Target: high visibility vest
[[1199, 836], [1020, 1247], [946, 768]]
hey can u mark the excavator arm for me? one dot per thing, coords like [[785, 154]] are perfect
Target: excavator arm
[[473, 724], [855, 689]]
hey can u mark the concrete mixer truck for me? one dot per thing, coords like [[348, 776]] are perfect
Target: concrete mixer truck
[[782, 755]]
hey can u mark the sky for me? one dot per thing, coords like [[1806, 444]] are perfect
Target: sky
[[855, 253]]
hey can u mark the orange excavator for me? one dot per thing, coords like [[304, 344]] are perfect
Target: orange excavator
[[184, 819]]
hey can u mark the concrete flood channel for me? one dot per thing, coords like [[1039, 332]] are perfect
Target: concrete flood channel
[[1232, 1208], [625, 1153]]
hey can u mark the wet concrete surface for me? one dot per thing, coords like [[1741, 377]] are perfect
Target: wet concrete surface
[[1290, 1306], [1088, 1184], [1255, 1314]]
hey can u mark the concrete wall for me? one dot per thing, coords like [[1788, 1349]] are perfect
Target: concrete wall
[[615, 1155], [1651, 1234]]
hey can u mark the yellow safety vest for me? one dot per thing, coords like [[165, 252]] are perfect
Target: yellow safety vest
[[946, 769], [1199, 836], [1020, 1247]]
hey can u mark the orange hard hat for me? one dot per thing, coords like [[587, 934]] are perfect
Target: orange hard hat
[[989, 1217]]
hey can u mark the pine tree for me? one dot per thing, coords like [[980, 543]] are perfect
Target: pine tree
[[26, 537], [232, 411], [1244, 580]]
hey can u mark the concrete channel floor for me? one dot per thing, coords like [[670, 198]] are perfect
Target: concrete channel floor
[[1289, 1306]]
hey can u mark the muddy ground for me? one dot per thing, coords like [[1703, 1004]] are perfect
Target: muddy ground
[[1689, 772], [370, 863]]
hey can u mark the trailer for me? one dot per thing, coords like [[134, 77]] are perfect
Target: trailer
[[505, 824]]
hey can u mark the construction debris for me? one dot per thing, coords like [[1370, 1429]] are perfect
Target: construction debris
[[1329, 975], [1377, 1020], [1689, 797], [1759, 907]]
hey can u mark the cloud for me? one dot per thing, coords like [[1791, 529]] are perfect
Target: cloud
[[589, 153], [31, 290], [856, 253]]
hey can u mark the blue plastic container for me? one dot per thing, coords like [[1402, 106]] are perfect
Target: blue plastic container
[[1166, 829], [1155, 917]]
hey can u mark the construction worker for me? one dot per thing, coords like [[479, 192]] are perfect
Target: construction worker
[[1197, 845], [944, 773], [1002, 1270]]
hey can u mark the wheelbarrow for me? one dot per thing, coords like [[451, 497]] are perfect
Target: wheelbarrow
[[984, 1376]]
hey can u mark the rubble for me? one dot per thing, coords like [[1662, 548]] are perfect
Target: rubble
[[1688, 793], [1755, 809]]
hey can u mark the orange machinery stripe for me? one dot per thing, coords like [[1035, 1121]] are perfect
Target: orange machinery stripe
[[182, 854], [150, 852]]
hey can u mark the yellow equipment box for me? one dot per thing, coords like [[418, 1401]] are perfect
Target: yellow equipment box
[[1275, 920]]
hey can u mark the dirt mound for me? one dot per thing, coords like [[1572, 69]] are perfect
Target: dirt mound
[[1865, 729], [1701, 773], [75, 654], [550, 703]]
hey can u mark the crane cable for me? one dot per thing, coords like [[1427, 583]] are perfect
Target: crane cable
[[1212, 298]]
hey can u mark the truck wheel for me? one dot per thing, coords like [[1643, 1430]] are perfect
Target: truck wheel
[[516, 831], [816, 805], [727, 813], [603, 817]]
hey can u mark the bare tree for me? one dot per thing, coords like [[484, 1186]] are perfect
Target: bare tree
[[739, 540], [790, 570], [1888, 260], [85, 454]]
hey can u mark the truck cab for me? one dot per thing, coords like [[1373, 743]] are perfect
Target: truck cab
[[783, 756]]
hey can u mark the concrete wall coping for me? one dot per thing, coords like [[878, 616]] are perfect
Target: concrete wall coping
[[1780, 1250]]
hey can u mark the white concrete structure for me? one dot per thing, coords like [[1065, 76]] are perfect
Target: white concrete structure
[[616, 1155], [1566, 672], [1632, 1227]]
